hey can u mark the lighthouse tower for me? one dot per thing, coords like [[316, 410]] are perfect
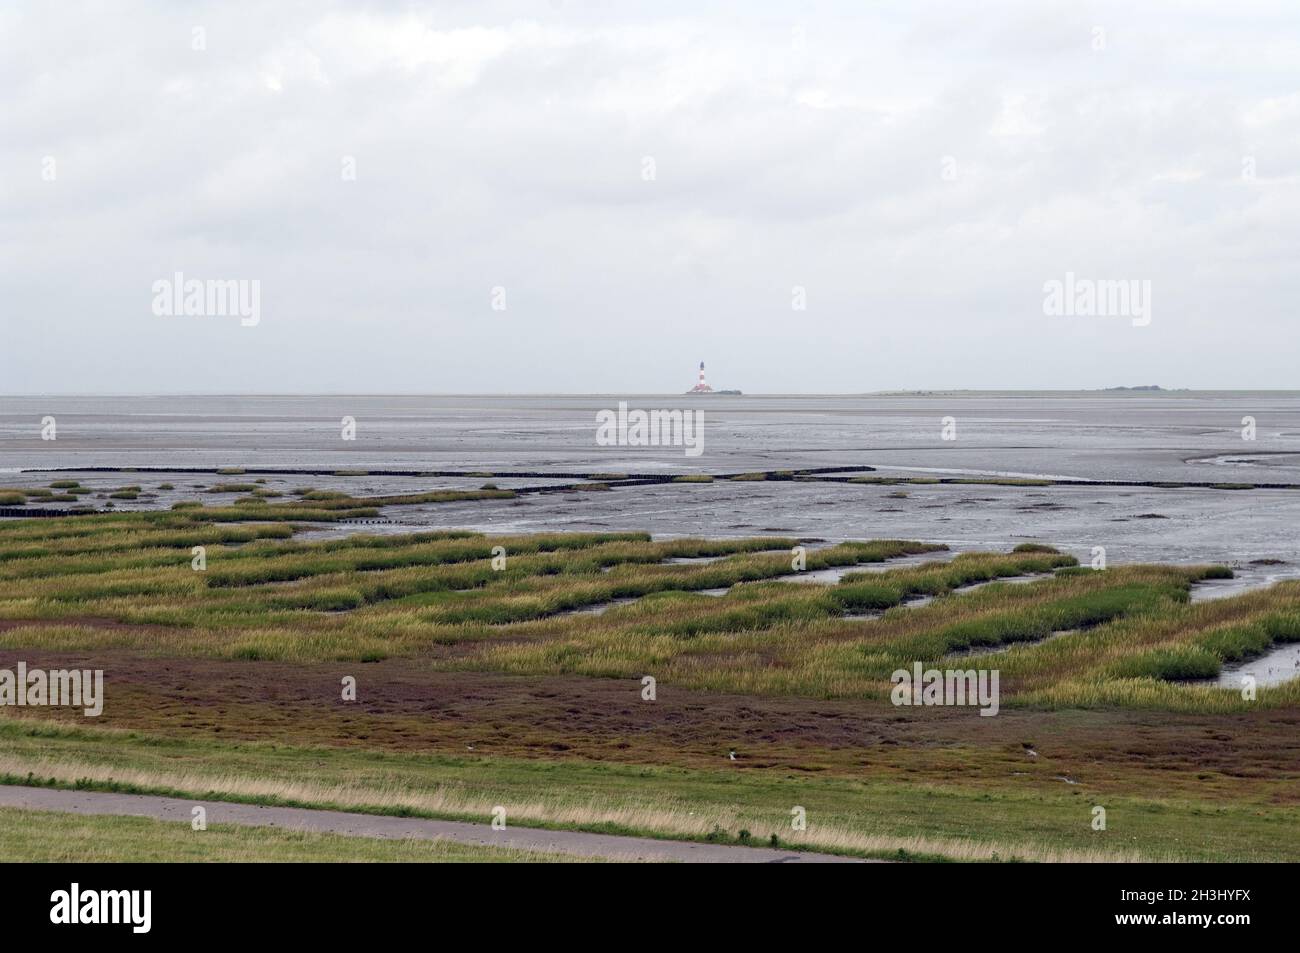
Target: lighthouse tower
[[702, 386]]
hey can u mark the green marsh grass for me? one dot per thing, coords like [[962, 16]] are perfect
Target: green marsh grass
[[267, 595]]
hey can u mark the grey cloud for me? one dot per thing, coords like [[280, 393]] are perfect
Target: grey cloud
[[502, 145]]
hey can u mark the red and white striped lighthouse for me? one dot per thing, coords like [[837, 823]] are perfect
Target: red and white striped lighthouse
[[702, 387]]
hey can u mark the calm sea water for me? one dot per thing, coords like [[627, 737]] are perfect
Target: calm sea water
[[1090, 436]]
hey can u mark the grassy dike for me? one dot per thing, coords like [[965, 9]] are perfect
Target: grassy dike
[[898, 821]]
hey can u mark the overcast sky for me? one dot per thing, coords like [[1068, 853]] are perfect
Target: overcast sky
[[920, 169]]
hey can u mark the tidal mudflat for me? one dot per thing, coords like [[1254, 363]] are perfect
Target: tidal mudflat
[[1149, 477]]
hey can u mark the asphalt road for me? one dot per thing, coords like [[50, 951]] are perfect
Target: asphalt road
[[398, 828]]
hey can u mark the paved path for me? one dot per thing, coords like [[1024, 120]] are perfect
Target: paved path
[[398, 828]]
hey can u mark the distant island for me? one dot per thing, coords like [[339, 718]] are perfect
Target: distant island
[[1149, 388]]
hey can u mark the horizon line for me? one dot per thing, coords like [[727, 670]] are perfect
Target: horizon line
[[892, 392]]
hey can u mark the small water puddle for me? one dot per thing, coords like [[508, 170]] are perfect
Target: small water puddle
[[1244, 581], [995, 649], [834, 574], [599, 609], [1279, 664], [907, 562], [1013, 580], [827, 576]]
